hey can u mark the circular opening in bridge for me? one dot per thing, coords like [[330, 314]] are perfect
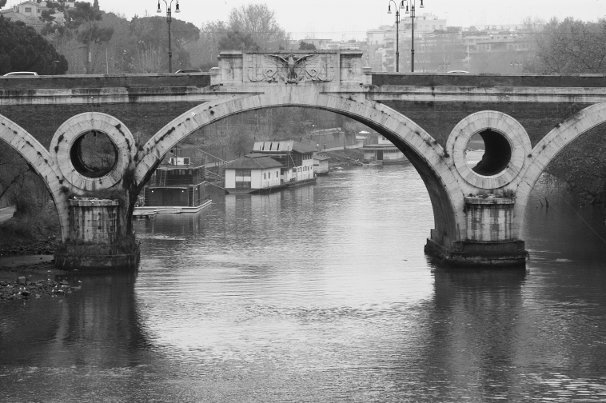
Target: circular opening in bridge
[[94, 154], [488, 153]]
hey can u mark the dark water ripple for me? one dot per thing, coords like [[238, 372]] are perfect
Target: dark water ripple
[[323, 293]]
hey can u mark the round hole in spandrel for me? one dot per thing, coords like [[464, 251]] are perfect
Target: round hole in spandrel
[[488, 153], [94, 154]]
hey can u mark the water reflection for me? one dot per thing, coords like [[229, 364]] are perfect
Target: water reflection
[[321, 293], [59, 340], [473, 342]]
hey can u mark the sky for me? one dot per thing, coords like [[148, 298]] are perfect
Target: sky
[[350, 19]]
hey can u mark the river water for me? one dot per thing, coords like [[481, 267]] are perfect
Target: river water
[[323, 293]]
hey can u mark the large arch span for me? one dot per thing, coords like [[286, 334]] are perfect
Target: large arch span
[[551, 146], [39, 160], [428, 157]]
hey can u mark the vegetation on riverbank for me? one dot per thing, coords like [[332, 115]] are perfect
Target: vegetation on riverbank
[[583, 167], [30, 232]]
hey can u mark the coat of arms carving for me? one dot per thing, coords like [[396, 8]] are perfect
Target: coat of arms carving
[[289, 68]]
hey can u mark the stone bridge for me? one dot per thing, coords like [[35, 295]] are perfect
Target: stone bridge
[[525, 121]]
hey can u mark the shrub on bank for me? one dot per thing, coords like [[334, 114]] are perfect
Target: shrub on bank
[[31, 231]]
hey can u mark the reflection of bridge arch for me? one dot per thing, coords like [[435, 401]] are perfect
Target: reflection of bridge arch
[[39, 160], [552, 145], [423, 151]]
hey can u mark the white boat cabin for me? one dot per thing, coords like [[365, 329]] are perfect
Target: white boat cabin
[[296, 158], [252, 172]]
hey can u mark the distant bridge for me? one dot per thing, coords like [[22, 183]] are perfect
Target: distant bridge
[[525, 121]]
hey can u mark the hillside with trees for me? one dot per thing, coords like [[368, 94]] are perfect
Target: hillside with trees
[[23, 49]]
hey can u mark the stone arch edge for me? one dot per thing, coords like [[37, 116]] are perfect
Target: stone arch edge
[[550, 147], [430, 154], [40, 161]]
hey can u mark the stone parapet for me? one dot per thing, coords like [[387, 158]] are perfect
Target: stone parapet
[[325, 67]]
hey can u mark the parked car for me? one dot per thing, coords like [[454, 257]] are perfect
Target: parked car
[[188, 71], [458, 72], [20, 74]]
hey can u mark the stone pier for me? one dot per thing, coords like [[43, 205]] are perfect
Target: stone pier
[[94, 241], [489, 237]]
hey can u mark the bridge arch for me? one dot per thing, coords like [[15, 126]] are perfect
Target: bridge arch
[[40, 161], [424, 152], [552, 145]]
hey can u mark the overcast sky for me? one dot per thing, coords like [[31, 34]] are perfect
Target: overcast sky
[[344, 19]]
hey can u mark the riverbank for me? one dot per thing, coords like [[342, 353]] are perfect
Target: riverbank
[[32, 277], [344, 158], [27, 271]]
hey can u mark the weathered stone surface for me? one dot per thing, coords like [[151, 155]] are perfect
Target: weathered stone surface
[[429, 117]]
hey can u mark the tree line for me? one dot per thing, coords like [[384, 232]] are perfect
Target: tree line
[[90, 40], [93, 41]]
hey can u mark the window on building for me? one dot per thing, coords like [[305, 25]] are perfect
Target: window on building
[[242, 172], [28, 9]]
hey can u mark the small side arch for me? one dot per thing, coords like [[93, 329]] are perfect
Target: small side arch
[[39, 160], [72, 129], [507, 129], [429, 158]]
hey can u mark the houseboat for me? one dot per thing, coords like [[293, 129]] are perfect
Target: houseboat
[[253, 173], [383, 153], [321, 164], [270, 166], [176, 187]]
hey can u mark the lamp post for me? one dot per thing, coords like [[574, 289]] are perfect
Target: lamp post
[[168, 4], [397, 29], [410, 6]]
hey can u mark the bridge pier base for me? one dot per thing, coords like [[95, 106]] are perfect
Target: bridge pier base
[[95, 240], [479, 254], [489, 241]]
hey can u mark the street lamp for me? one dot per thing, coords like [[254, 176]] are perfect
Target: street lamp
[[168, 6], [397, 28], [410, 6]]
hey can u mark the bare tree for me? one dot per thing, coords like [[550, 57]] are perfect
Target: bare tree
[[258, 21], [571, 47]]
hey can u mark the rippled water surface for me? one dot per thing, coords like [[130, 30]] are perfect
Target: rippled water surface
[[323, 293]]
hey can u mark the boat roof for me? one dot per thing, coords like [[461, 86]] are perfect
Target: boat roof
[[282, 147], [252, 161], [171, 167]]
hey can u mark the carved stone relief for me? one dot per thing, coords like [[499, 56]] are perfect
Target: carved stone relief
[[291, 68]]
